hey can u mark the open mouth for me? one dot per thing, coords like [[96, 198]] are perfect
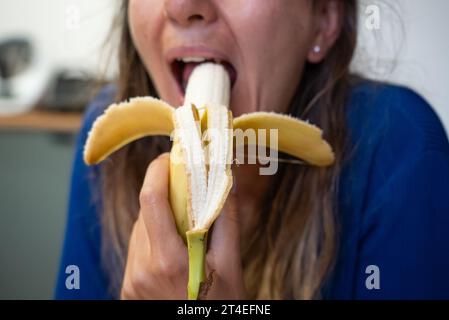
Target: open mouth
[[182, 68]]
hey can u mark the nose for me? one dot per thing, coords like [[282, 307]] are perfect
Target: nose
[[188, 12]]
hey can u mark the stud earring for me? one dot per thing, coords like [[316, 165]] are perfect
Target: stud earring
[[317, 49]]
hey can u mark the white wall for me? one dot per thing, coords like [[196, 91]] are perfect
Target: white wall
[[411, 47], [421, 59], [68, 32]]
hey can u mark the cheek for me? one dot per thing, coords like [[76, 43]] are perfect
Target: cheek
[[274, 40], [144, 19]]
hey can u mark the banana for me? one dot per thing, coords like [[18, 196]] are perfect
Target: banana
[[207, 170], [208, 85], [125, 122], [202, 151], [296, 138]]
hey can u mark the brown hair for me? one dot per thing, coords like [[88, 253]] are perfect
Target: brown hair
[[293, 249]]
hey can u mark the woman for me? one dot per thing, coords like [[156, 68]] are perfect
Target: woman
[[372, 226]]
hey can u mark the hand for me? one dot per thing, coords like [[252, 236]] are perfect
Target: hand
[[157, 263]]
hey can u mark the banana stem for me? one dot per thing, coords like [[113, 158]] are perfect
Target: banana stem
[[196, 245]]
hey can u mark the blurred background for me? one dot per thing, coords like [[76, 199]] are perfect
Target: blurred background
[[53, 53]]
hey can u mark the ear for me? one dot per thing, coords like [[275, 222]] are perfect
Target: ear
[[328, 16]]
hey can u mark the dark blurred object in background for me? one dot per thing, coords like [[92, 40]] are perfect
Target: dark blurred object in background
[[28, 80], [24, 74], [15, 58], [69, 90]]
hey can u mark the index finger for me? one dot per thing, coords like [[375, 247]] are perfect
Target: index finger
[[155, 208]]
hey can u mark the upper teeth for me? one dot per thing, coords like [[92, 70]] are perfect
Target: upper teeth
[[191, 59]]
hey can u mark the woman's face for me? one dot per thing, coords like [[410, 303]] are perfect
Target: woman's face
[[267, 43]]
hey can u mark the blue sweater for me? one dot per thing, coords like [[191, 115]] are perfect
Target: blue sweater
[[393, 204]]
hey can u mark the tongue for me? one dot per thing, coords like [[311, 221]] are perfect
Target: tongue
[[187, 72]]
